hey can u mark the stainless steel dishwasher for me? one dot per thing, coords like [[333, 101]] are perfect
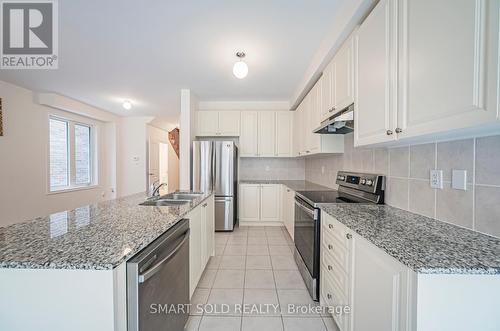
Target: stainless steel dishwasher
[[158, 281]]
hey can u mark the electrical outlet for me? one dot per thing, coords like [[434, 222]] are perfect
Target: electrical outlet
[[437, 179]]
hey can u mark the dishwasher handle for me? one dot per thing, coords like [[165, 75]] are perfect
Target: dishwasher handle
[[154, 269]]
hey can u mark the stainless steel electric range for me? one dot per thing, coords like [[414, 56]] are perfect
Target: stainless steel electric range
[[353, 188]]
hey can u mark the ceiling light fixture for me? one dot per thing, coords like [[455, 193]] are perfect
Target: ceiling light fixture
[[127, 105], [240, 68]]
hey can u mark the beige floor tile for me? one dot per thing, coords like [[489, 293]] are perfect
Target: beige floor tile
[[289, 279], [330, 324], [235, 250], [224, 302], [256, 234], [200, 297], [257, 250], [251, 323], [219, 323], [261, 279], [265, 300], [283, 262], [229, 279], [258, 262], [303, 324], [291, 302], [257, 240], [232, 262], [214, 262], [280, 250]]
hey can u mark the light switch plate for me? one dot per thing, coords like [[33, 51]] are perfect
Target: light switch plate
[[437, 179], [459, 179]]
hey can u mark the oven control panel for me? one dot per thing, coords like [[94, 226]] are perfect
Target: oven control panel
[[364, 182]]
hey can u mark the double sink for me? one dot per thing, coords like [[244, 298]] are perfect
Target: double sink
[[172, 199]]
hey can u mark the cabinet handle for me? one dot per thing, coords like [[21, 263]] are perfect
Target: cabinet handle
[[204, 205], [330, 247], [348, 236], [330, 268], [330, 226], [399, 130], [329, 296], [333, 109], [389, 132]]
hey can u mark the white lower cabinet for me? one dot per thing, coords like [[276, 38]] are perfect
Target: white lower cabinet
[[259, 203], [201, 240], [357, 274], [383, 294]]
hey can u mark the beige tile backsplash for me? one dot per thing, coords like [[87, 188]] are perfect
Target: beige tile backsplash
[[408, 167], [272, 168]]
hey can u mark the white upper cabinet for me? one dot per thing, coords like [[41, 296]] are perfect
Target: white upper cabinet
[[208, 123], [448, 65], [229, 123], [249, 134], [376, 77], [218, 123], [343, 76], [267, 133], [284, 123], [328, 91], [425, 70]]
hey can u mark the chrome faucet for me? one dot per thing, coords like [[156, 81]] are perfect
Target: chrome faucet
[[155, 188]]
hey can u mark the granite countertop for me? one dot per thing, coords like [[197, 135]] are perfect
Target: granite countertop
[[426, 245], [295, 185], [98, 236]]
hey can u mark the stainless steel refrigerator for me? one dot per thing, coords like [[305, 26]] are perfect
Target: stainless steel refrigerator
[[214, 168]]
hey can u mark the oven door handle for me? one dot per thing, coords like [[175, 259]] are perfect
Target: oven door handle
[[151, 271], [305, 208]]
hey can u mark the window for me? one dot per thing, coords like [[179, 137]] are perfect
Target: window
[[70, 154]]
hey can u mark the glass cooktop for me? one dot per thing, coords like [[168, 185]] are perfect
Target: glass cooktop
[[331, 196]]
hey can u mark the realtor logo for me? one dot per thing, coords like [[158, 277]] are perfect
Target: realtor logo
[[29, 34]]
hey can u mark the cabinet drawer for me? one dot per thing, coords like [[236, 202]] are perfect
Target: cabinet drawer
[[337, 250], [332, 297], [335, 229], [337, 273]]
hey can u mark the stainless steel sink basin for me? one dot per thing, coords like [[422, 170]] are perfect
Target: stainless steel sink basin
[[164, 202], [183, 196], [172, 199]]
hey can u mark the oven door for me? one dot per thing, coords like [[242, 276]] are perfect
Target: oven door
[[307, 235]]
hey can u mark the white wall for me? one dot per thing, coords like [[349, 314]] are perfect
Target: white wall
[[189, 104], [132, 145], [24, 160], [160, 135]]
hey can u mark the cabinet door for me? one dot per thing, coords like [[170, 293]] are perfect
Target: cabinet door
[[380, 293], [229, 123], [297, 130], [267, 133], [210, 229], [375, 84], [269, 202], [344, 76], [327, 91], [194, 248], [249, 202], [208, 123], [314, 118], [284, 121], [449, 65], [248, 135], [203, 236]]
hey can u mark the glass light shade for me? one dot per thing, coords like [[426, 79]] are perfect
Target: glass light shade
[[240, 69], [127, 105]]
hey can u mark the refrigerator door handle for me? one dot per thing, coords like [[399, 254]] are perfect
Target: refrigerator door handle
[[214, 170]]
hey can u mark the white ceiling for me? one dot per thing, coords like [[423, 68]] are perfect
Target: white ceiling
[[146, 51]]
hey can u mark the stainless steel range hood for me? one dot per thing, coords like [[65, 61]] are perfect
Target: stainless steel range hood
[[341, 122]]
